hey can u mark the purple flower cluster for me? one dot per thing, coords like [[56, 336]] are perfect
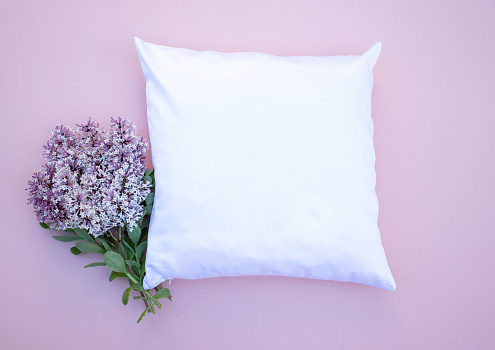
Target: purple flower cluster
[[92, 178]]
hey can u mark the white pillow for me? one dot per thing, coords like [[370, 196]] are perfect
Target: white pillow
[[264, 165]]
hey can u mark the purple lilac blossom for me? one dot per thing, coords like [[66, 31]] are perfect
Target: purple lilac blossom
[[92, 178]]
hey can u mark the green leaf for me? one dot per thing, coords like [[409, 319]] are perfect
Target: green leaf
[[133, 263], [147, 172], [132, 278], [162, 293], [45, 226], [138, 287], [129, 251], [148, 209], [69, 230], [105, 244], [142, 315], [152, 172], [136, 272], [84, 234], [144, 235], [148, 179], [135, 234], [95, 264], [67, 238], [115, 262], [140, 250], [125, 296], [149, 198], [115, 275], [75, 251], [138, 297], [141, 270], [145, 223], [90, 248]]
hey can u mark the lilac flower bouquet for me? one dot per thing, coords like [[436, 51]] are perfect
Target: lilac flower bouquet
[[94, 186]]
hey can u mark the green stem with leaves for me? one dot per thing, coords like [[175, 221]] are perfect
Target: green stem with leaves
[[125, 256]]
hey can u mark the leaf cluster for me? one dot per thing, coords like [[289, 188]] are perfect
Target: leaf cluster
[[124, 252]]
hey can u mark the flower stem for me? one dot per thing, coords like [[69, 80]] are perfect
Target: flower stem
[[145, 301]]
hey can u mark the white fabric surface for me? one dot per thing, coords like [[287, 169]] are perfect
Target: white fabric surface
[[264, 165]]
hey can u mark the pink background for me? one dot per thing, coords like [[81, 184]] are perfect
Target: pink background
[[433, 107]]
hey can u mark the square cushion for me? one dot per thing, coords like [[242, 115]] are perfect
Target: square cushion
[[264, 165]]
